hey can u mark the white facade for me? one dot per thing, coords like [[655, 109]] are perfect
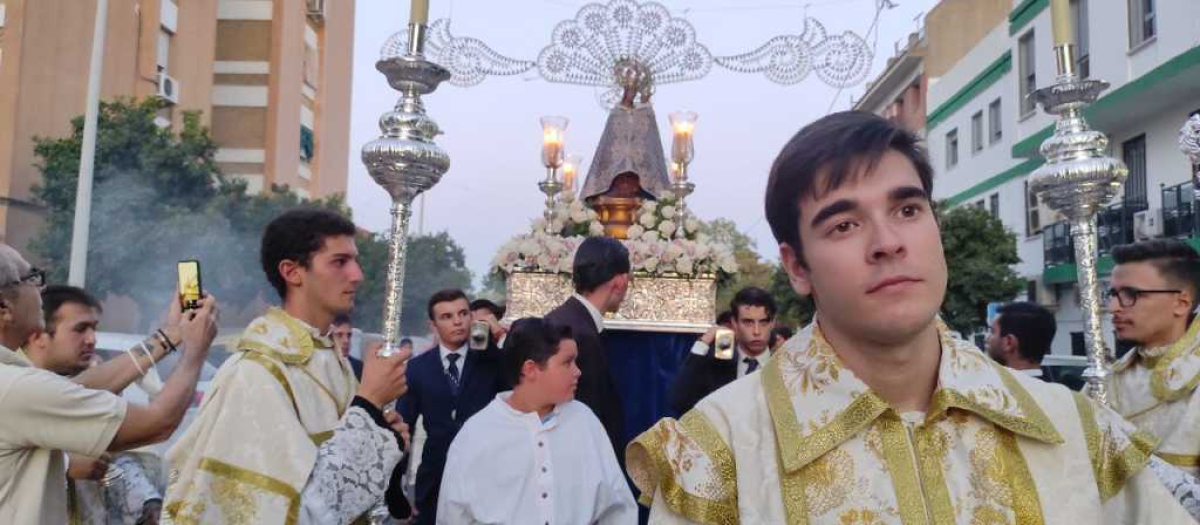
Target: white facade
[[1155, 85]]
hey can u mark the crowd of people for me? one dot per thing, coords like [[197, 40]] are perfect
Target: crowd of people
[[873, 413]]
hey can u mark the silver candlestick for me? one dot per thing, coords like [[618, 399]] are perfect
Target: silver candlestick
[[1078, 179], [404, 160], [551, 187], [683, 151]]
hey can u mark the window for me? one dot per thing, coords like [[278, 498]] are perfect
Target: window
[[1079, 14], [1031, 288], [1028, 78], [1142, 22], [312, 66], [979, 204], [994, 205], [307, 144], [1133, 152], [164, 49], [1033, 215], [977, 132], [952, 148], [995, 128]]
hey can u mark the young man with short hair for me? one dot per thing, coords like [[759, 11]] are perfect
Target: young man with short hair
[[1153, 294], [601, 277], [534, 455], [446, 385], [490, 313], [343, 331], [46, 415], [875, 413], [702, 374], [67, 347], [287, 435]]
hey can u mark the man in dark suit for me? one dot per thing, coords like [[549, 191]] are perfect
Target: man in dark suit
[[1020, 338], [343, 330], [446, 385], [753, 312], [601, 277]]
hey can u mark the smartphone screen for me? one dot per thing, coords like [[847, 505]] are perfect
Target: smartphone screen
[[190, 291]]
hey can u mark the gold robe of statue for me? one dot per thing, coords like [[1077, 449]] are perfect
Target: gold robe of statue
[[806, 442], [248, 455], [1155, 389]]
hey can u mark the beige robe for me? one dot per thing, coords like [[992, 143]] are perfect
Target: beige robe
[[248, 455], [1155, 389], [806, 442]]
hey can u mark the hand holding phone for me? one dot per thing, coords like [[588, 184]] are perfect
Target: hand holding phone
[[190, 289]]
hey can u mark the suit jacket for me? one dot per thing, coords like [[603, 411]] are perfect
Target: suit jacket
[[430, 395], [596, 388], [700, 376]]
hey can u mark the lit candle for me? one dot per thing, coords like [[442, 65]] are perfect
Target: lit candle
[[552, 140], [570, 166], [684, 125], [419, 13], [1061, 23]]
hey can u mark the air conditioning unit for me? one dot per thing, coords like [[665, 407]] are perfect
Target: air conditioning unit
[[1147, 224], [168, 88], [1047, 295], [316, 10]]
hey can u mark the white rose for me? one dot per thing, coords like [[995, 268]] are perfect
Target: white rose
[[545, 262], [539, 225], [702, 251], [529, 248], [669, 211], [729, 265], [557, 225], [578, 216], [635, 232], [596, 229], [684, 265], [650, 236], [667, 227], [691, 225], [566, 264], [702, 238], [649, 206], [672, 252], [651, 264], [648, 220], [593, 215]]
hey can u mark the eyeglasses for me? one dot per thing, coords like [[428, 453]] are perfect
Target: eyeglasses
[[36, 277], [1127, 296]]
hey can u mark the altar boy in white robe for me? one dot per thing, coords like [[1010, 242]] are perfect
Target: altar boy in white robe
[[535, 455]]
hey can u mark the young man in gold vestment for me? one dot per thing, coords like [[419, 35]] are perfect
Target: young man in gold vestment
[[875, 413], [287, 435], [1152, 299]]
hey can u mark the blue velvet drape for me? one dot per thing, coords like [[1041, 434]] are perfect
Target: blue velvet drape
[[644, 365]]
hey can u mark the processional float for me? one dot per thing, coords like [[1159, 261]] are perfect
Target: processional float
[[623, 49]]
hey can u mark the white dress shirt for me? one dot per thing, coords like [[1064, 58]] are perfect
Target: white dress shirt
[[507, 466], [462, 359], [700, 348], [597, 315]]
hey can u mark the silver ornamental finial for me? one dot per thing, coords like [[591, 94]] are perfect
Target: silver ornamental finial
[[405, 161]]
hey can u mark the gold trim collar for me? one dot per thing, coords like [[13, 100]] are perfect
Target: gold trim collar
[[816, 403], [1175, 373], [289, 339]]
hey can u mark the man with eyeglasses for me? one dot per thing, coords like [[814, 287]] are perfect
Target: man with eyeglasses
[[1152, 298], [45, 415]]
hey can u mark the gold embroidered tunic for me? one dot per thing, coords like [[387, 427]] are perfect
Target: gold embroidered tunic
[[248, 455], [806, 442], [1155, 389]]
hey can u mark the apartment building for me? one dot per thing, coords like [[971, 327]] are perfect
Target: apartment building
[[984, 132], [271, 77]]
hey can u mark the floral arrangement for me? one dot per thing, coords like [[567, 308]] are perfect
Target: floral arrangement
[[653, 248]]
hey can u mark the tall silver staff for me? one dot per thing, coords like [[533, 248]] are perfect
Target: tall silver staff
[[1078, 179], [404, 160]]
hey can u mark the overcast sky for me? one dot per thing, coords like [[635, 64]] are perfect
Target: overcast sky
[[493, 136]]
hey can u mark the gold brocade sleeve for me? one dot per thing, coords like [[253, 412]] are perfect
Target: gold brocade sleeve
[[1118, 450], [688, 462]]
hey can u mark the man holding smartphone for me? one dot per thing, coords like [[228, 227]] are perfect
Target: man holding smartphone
[[288, 436], [705, 370], [46, 415]]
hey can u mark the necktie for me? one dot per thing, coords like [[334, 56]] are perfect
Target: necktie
[[452, 371], [751, 364]]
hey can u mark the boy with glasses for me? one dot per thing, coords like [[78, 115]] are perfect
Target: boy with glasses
[[1153, 297]]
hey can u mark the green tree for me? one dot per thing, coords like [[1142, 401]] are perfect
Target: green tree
[[158, 197], [794, 311], [980, 254], [434, 262], [752, 270]]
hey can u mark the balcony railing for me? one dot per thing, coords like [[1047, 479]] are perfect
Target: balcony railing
[[1114, 227], [1179, 211]]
